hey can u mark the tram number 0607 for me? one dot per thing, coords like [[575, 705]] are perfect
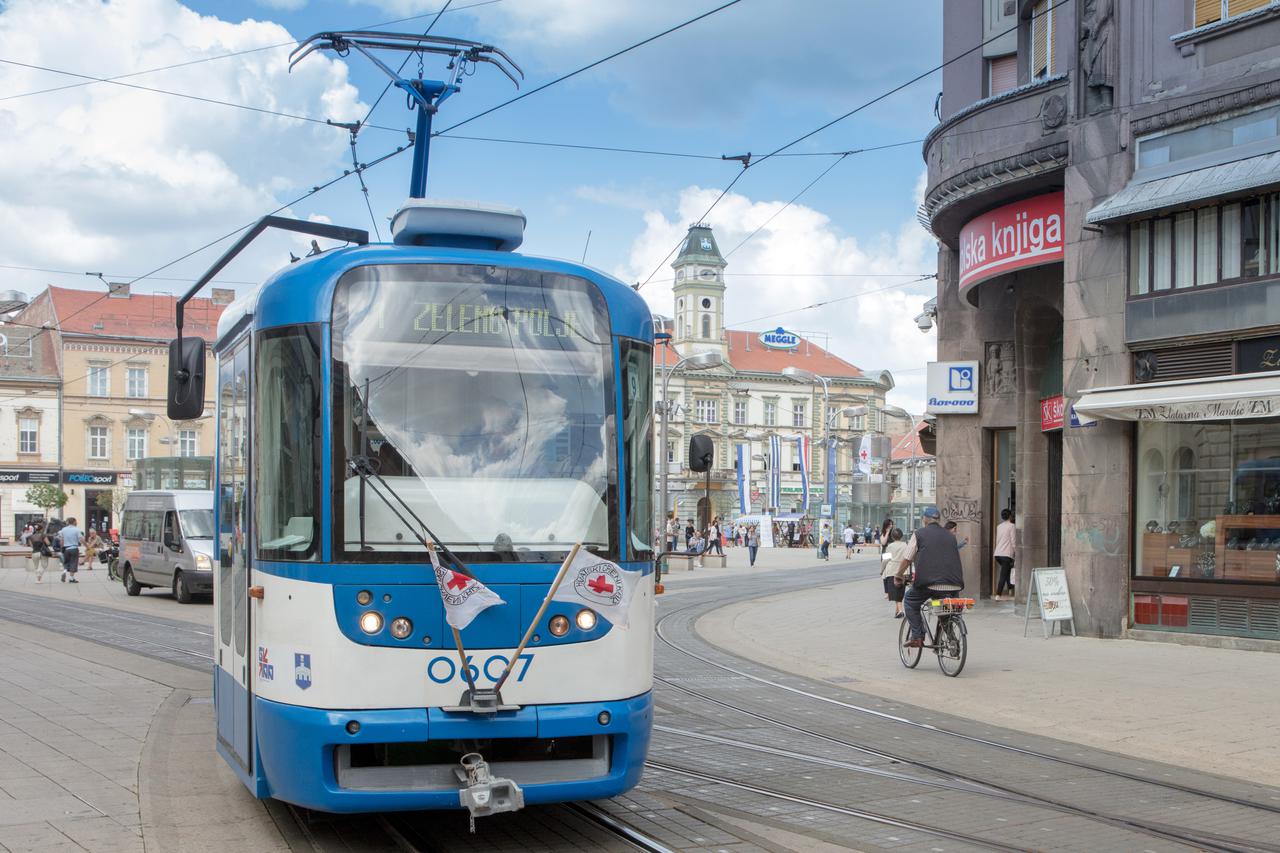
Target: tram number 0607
[[444, 669]]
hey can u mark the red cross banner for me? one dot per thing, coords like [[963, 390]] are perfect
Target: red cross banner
[[464, 597], [599, 584]]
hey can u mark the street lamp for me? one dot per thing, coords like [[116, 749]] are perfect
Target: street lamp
[[696, 361], [898, 411]]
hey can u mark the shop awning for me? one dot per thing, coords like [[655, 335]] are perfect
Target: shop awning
[[1243, 396], [1189, 187]]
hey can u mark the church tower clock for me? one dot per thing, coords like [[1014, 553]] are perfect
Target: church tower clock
[[699, 293]]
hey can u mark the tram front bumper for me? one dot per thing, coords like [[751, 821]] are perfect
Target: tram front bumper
[[393, 761]]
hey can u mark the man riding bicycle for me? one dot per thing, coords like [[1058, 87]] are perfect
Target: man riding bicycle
[[935, 557]]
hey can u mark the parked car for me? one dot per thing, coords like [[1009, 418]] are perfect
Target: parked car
[[167, 541]]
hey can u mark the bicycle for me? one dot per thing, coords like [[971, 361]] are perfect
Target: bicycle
[[945, 633]]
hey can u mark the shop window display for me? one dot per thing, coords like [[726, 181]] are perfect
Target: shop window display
[[1208, 501]]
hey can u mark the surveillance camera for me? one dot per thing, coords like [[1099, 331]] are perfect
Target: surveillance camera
[[924, 322]]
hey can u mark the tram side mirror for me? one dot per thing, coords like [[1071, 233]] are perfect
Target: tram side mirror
[[186, 379]]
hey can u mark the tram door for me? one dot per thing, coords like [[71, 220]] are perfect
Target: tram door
[[234, 649]]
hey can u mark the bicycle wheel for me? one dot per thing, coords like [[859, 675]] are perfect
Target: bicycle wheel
[[952, 646], [909, 657]]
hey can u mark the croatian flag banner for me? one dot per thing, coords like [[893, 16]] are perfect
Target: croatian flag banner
[[599, 584], [744, 496], [775, 472], [802, 450], [464, 597]]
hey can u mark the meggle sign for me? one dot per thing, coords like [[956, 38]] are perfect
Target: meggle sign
[[780, 338], [1024, 234]]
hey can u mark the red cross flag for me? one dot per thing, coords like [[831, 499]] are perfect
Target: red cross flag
[[464, 597], [599, 584]]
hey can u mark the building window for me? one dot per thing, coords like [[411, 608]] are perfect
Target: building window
[[99, 442], [1211, 11], [706, 325], [1208, 144], [1043, 53], [28, 435], [1207, 501], [671, 451], [1231, 242], [832, 416], [797, 413], [706, 411], [739, 411], [188, 445], [135, 444], [770, 413], [1002, 74], [136, 382], [99, 380]]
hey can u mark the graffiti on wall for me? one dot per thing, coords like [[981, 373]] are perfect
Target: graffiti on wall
[[1104, 535], [959, 509]]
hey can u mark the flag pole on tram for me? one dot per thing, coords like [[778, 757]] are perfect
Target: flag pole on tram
[[564, 567]]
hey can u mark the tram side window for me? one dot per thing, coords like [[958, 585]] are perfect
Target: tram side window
[[637, 438], [289, 439]]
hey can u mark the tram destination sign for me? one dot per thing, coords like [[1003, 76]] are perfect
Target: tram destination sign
[[780, 338]]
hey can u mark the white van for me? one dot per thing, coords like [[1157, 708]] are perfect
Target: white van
[[166, 541]]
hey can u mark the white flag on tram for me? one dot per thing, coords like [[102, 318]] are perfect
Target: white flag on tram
[[599, 584], [464, 597]]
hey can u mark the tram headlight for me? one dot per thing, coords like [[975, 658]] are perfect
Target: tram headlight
[[559, 626], [401, 627], [203, 563], [586, 619], [371, 621]]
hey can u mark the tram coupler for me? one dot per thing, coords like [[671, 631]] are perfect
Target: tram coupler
[[484, 795], [479, 701]]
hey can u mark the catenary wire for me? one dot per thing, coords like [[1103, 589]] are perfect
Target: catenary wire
[[808, 134], [229, 55], [790, 201]]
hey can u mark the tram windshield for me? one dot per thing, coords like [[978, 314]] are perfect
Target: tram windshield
[[489, 414]]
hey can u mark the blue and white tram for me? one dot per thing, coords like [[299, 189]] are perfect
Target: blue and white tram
[[507, 400]]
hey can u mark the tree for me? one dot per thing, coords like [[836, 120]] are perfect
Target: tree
[[112, 501], [47, 497]]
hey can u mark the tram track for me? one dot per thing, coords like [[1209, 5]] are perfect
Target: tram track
[[950, 778]]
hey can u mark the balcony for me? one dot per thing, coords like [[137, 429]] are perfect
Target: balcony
[[994, 151]]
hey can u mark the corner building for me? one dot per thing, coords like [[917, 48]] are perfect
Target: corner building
[[1104, 184]]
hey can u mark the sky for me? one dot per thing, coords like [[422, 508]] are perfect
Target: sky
[[122, 179]]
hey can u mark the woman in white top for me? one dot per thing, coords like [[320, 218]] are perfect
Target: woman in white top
[[894, 585]]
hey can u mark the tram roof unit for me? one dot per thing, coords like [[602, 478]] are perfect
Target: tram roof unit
[[303, 291]]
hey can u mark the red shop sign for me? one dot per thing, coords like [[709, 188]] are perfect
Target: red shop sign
[[1027, 233], [1052, 412]]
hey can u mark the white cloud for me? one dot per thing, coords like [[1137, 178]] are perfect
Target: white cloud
[[876, 330], [286, 5], [130, 179]]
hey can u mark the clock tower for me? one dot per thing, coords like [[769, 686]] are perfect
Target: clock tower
[[699, 293]]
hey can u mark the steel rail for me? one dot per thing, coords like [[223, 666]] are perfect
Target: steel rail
[[1080, 765], [40, 621]]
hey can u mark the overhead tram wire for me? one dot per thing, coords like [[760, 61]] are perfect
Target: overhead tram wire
[[230, 55], [807, 135], [398, 150], [825, 302], [790, 201]]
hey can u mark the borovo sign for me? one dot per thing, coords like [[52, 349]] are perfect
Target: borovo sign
[[1027, 233]]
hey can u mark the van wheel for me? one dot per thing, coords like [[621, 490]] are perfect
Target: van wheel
[[181, 591], [131, 586]]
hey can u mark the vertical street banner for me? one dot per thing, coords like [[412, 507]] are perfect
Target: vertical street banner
[[831, 493], [802, 450], [864, 455], [744, 479], [775, 472]]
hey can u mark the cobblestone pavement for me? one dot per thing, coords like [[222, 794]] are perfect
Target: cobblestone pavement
[[745, 757]]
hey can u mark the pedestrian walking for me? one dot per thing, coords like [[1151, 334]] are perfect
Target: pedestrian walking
[[69, 538], [40, 550], [824, 541], [753, 544], [885, 527], [891, 573], [672, 532], [1006, 542], [848, 535], [689, 530], [714, 539]]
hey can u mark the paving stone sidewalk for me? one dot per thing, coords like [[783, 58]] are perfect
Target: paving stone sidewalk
[[1202, 708], [109, 752]]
